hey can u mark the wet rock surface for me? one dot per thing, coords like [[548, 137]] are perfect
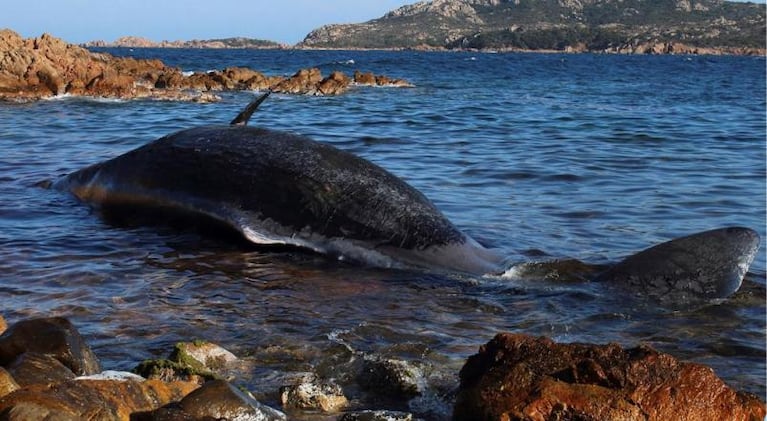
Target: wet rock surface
[[55, 337], [313, 394], [515, 377], [215, 400], [36, 68], [518, 377]]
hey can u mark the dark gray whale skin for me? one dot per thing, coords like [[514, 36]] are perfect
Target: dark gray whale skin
[[281, 188], [705, 265]]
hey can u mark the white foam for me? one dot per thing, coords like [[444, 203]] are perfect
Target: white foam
[[113, 375]]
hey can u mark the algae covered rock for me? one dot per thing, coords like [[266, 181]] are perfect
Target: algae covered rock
[[197, 361]]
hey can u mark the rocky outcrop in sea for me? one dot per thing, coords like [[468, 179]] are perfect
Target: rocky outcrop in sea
[[141, 42], [48, 371], [43, 67]]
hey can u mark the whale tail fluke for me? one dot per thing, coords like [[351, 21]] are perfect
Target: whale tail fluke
[[244, 116], [703, 266]]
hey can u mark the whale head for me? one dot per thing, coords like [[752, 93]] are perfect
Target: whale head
[[703, 266]]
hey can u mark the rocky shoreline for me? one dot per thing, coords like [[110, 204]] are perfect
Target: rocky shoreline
[[44, 67], [639, 48], [48, 371]]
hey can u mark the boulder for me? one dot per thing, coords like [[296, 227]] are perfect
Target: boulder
[[90, 399], [311, 394], [7, 383], [390, 377], [189, 361], [215, 400], [364, 78], [335, 84], [55, 337], [518, 377], [202, 354], [33, 368], [302, 82]]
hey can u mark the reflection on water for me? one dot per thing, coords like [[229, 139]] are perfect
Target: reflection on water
[[530, 154]]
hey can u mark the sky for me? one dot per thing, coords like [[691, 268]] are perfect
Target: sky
[[286, 21]]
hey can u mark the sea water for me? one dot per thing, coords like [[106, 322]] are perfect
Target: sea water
[[542, 156]]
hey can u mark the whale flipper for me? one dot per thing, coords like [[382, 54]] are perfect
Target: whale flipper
[[244, 116], [702, 266]]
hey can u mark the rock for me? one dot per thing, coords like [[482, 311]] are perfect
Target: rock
[[55, 337], [202, 355], [90, 399], [168, 371], [215, 400], [7, 383], [3, 325], [189, 361], [369, 79], [46, 66], [518, 377], [304, 82], [364, 78], [32, 368], [335, 84], [313, 395], [393, 378], [376, 416]]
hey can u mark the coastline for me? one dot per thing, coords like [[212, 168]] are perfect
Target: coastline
[[643, 49]]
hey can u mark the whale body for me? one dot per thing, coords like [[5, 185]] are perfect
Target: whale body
[[280, 188]]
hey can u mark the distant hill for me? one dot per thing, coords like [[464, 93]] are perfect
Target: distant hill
[[139, 42], [636, 26]]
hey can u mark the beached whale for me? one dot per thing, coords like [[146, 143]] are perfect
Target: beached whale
[[279, 188]]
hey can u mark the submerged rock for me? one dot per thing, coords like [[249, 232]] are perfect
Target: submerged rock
[[518, 377], [376, 416], [392, 378]]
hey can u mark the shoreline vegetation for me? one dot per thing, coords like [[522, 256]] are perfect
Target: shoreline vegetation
[[593, 26]]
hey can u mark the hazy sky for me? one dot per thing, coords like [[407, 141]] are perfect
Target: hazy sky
[[279, 20]]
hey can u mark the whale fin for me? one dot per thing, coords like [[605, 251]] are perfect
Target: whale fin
[[703, 266], [243, 117]]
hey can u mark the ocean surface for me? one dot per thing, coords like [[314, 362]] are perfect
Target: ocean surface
[[543, 156]]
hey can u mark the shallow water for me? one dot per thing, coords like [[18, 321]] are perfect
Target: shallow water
[[541, 156]]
